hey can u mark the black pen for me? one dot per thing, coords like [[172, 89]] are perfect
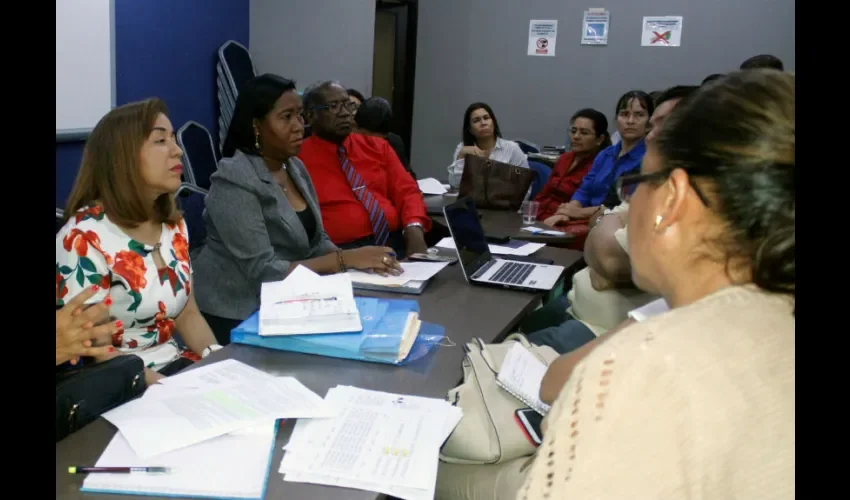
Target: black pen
[[89, 470]]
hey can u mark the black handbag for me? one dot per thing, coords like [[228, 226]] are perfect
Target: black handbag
[[84, 393]]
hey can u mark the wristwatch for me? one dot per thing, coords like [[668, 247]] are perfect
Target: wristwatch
[[210, 349], [414, 224]]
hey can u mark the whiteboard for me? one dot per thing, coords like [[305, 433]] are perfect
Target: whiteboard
[[85, 65]]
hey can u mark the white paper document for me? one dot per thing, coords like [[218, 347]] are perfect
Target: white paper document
[[647, 311], [231, 466], [413, 271], [525, 250], [538, 230], [225, 373], [306, 303], [661, 31], [542, 36], [381, 442], [431, 186], [163, 424]]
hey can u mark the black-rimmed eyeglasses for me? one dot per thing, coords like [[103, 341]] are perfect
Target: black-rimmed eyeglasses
[[337, 106], [627, 184]]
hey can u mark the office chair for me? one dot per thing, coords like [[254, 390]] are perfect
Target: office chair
[[527, 147], [191, 201], [541, 176], [200, 158], [235, 67], [59, 215]]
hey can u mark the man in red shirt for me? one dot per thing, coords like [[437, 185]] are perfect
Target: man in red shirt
[[365, 195]]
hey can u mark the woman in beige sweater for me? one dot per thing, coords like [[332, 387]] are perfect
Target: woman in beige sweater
[[697, 402]]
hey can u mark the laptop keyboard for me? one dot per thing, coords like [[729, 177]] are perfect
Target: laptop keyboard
[[513, 273]]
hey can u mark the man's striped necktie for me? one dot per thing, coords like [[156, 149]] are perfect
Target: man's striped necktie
[[380, 228]]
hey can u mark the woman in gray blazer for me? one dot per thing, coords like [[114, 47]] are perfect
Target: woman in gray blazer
[[262, 215]]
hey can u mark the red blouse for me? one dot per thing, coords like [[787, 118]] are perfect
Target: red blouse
[[562, 184]]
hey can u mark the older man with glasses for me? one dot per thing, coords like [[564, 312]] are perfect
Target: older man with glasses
[[365, 195]]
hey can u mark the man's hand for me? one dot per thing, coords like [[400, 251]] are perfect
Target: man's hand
[[414, 240]]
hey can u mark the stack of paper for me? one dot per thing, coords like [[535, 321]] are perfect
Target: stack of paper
[[306, 303], [413, 271], [214, 427], [514, 247], [432, 186], [382, 442], [392, 333]]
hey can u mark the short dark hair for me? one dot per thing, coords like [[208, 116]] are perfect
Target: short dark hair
[[600, 123], [314, 94], [676, 92], [255, 101], [356, 93], [468, 138], [375, 115], [745, 151], [642, 97], [712, 77], [763, 61]]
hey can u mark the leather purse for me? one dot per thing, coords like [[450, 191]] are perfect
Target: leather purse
[[488, 433], [493, 184], [84, 393]]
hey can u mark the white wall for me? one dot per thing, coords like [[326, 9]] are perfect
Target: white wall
[[311, 40]]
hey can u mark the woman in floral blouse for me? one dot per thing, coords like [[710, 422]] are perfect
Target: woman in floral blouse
[[123, 233]]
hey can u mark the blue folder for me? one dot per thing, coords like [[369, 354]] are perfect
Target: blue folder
[[383, 323]]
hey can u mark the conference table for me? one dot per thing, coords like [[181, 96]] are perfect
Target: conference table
[[466, 312]]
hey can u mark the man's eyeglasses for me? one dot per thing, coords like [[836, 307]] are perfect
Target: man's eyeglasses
[[627, 184], [337, 106]]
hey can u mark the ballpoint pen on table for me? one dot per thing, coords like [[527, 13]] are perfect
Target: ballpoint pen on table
[[89, 470]]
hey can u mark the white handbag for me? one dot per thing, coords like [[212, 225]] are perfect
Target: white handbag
[[488, 433]]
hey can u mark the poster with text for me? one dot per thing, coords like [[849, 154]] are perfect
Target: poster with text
[[595, 27], [661, 31], [541, 38]]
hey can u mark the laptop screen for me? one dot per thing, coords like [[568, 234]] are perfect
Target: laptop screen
[[468, 235]]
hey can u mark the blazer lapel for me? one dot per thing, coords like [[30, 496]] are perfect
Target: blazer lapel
[[297, 232], [297, 176]]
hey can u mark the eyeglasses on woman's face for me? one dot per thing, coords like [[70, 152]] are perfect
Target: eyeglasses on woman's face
[[627, 184]]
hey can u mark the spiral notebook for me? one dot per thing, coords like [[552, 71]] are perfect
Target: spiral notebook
[[521, 374]]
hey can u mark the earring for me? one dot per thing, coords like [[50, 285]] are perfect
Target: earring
[[658, 220], [257, 139]]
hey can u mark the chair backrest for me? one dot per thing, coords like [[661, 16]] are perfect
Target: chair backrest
[[59, 215], [234, 68], [200, 159], [191, 201], [541, 176], [526, 146]]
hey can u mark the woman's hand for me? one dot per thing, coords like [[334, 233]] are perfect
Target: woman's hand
[[79, 327], [568, 209], [375, 259], [555, 220], [152, 377]]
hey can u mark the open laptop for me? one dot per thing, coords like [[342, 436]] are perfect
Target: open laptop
[[480, 267]]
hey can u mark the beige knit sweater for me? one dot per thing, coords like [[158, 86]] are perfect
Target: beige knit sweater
[[697, 403]]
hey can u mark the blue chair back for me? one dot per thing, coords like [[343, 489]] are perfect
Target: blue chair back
[[200, 158], [541, 176], [191, 201], [527, 147], [59, 215]]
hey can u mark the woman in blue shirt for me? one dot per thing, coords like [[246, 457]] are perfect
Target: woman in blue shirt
[[633, 111]]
